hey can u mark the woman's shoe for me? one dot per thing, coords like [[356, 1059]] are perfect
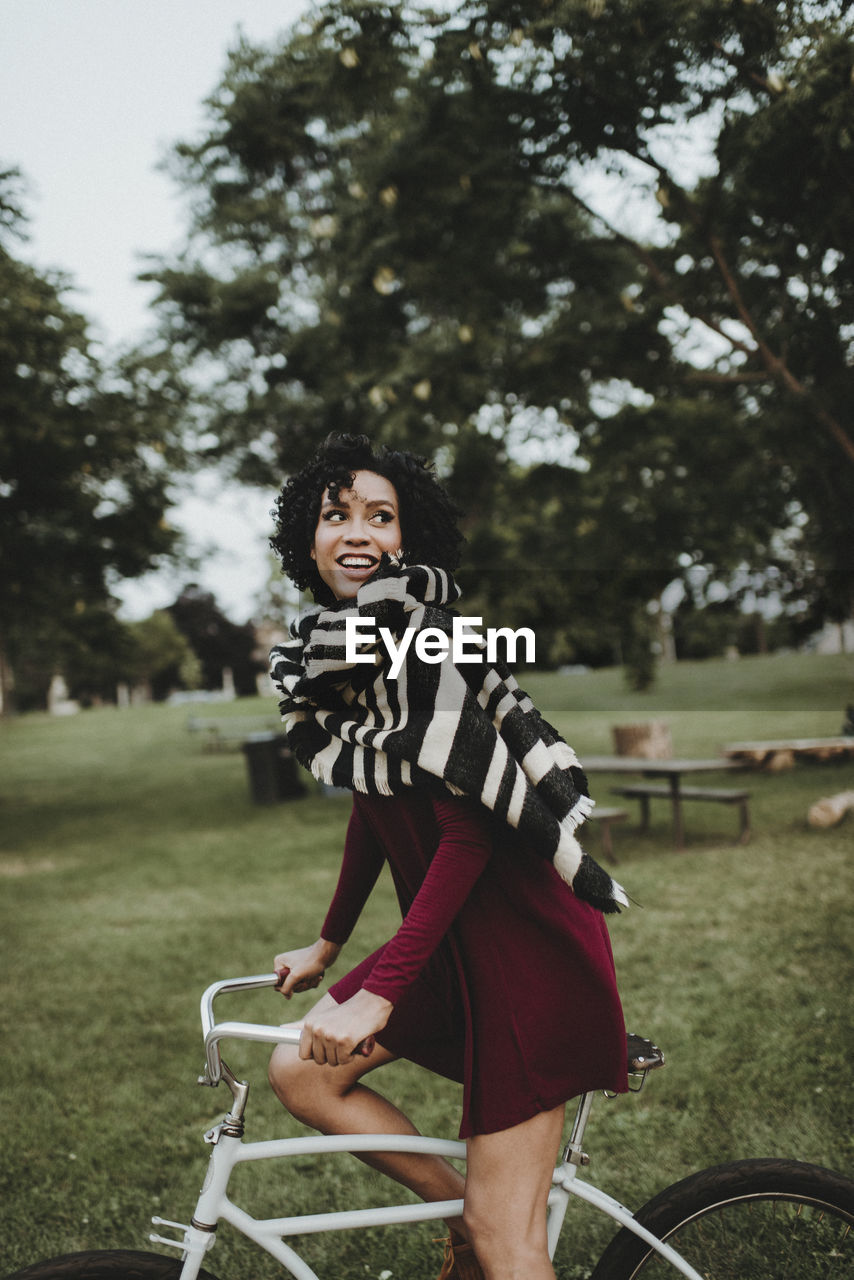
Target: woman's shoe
[[460, 1261]]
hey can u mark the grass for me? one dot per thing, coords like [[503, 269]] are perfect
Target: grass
[[134, 870]]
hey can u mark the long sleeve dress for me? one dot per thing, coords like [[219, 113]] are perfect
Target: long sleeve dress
[[500, 977]]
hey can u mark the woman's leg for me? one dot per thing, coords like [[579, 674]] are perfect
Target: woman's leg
[[333, 1100], [509, 1176]]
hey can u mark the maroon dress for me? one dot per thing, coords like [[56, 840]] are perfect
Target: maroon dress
[[500, 977]]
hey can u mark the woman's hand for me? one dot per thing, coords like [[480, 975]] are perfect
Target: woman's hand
[[333, 1033], [305, 968]]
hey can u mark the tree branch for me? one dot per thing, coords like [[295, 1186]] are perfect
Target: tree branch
[[713, 376], [660, 278], [746, 74], [775, 366]]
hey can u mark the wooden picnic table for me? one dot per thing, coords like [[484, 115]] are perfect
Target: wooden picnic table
[[782, 752], [671, 770]]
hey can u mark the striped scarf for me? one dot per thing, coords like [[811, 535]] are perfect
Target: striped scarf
[[468, 728]]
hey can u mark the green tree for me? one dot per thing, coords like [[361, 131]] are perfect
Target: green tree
[[86, 459], [414, 236], [216, 641], [159, 656]]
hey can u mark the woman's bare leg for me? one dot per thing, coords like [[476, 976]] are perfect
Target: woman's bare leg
[[333, 1100], [509, 1176]]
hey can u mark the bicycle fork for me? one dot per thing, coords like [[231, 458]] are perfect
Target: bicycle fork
[[199, 1235]]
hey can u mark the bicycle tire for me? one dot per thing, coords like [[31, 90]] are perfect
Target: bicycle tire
[[106, 1264], [748, 1220]]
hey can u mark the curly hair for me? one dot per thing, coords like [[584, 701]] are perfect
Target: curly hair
[[428, 517]]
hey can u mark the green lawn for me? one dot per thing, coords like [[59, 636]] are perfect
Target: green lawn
[[135, 870]]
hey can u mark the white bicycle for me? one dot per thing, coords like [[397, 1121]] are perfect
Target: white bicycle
[[762, 1219]]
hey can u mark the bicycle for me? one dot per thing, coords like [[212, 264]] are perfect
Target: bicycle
[[769, 1218]]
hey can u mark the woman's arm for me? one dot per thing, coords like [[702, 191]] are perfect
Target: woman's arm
[[305, 967], [333, 1035], [465, 846], [361, 865]]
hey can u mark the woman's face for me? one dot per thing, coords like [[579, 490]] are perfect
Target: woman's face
[[354, 530]]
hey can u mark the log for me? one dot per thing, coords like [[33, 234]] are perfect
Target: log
[[830, 810], [650, 741], [755, 756], [780, 761], [771, 759]]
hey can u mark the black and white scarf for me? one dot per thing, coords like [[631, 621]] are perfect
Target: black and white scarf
[[468, 729]]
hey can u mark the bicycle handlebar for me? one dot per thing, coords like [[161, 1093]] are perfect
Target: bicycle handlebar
[[214, 1032]]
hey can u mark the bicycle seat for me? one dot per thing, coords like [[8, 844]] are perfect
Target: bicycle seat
[[643, 1055]]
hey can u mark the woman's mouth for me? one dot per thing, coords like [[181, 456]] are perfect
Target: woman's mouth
[[357, 563]]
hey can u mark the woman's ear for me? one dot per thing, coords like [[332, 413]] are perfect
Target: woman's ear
[[311, 552]]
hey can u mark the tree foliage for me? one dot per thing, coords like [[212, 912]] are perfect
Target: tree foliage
[[85, 458], [159, 657], [485, 230], [216, 641]]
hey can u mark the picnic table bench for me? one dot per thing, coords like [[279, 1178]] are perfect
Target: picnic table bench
[[220, 732], [646, 791], [604, 817], [673, 771]]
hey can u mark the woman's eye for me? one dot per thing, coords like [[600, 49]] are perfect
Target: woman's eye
[[384, 517], [334, 515]]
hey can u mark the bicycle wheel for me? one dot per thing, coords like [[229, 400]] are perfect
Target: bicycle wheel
[[106, 1264], [750, 1220]]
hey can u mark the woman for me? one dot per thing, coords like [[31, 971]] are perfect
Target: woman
[[501, 974]]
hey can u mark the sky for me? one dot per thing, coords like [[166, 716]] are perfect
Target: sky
[[92, 95]]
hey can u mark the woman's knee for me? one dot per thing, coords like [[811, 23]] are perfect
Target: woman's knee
[[476, 1225], [311, 1093], [512, 1249], [295, 1082], [507, 1186]]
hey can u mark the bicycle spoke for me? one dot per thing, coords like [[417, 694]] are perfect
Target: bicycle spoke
[[763, 1219], [753, 1240]]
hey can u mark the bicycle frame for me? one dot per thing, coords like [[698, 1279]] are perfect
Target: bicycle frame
[[229, 1150]]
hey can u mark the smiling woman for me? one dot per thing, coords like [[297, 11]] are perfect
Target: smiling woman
[[355, 528], [500, 975], [409, 512]]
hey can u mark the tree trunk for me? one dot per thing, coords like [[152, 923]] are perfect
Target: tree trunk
[[7, 686], [649, 741]]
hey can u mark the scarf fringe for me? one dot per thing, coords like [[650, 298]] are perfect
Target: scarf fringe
[[580, 811]]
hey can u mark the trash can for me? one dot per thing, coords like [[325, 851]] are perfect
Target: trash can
[[273, 774]]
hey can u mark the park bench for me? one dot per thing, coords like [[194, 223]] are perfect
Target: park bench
[[646, 791], [604, 817], [221, 732]]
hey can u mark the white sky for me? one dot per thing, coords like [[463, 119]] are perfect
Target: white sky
[[92, 94]]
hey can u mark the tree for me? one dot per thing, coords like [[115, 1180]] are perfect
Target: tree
[[215, 640], [159, 656], [86, 459], [411, 238]]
